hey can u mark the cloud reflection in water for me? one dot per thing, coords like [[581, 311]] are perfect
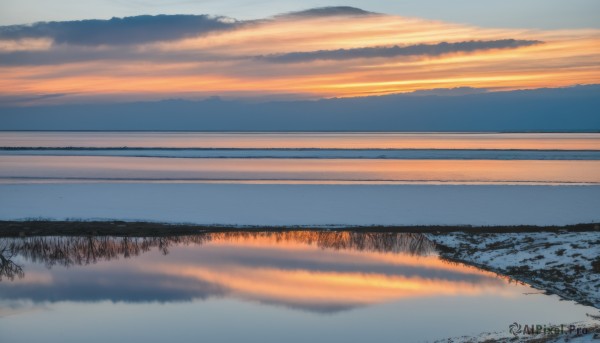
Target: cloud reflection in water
[[317, 271]]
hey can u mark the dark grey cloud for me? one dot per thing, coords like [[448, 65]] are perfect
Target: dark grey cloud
[[71, 54], [572, 109], [145, 28], [394, 51], [329, 11], [457, 91], [21, 99], [120, 31]]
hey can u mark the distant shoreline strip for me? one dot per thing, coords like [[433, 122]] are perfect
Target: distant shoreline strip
[[308, 153], [32, 180], [47, 227], [68, 148]]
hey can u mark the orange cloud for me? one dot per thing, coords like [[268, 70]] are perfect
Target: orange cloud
[[227, 62]]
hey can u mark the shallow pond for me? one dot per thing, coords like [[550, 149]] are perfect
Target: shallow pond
[[293, 286]]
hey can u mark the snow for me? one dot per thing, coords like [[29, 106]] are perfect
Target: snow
[[303, 204], [505, 337], [560, 262]]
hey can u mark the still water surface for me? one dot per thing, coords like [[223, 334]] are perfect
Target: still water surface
[[317, 140], [256, 287], [107, 168], [299, 157]]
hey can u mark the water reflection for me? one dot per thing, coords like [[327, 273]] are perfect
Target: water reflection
[[161, 169], [9, 270], [83, 250], [317, 271], [323, 140]]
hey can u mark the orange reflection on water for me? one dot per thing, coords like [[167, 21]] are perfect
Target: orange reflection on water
[[527, 141], [149, 168], [314, 270], [309, 244], [351, 289], [319, 276]]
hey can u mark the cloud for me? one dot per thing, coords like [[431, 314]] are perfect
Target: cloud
[[16, 100], [329, 12], [75, 54], [324, 52], [394, 51], [120, 31]]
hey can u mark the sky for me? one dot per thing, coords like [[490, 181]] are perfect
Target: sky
[[289, 49], [488, 13]]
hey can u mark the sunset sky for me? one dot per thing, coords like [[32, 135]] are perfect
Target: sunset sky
[[289, 49]]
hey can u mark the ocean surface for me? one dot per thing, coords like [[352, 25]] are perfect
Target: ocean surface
[[306, 179], [328, 158]]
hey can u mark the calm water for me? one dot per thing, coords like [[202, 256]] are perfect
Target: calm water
[[299, 157], [523, 141], [276, 287], [255, 287]]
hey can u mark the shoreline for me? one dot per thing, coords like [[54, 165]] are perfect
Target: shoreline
[[561, 260], [285, 205], [16, 228], [565, 263], [469, 245], [533, 282]]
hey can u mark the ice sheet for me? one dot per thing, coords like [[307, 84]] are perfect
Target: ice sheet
[[288, 204]]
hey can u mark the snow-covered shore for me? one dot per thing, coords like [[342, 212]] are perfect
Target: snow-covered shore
[[302, 204], [564, 262], [591, 329]]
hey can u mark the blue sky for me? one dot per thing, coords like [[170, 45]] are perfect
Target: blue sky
[[546, 14]]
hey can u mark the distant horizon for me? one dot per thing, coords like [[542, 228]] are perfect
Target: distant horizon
[[567, 109], [435, 92]]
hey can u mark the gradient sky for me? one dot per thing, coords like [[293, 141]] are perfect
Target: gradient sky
[[259, 49], [490, 13]]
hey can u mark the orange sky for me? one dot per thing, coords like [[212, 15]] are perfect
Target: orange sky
[[240, 62]]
